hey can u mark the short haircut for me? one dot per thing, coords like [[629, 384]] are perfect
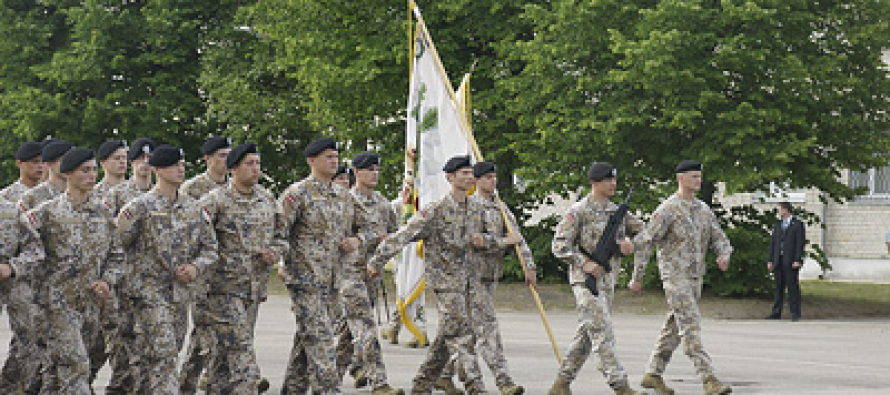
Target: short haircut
[[787, 206]]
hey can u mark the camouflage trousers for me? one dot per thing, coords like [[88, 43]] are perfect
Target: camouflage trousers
[[312, 363], [683, 324], [198, 354], [488, 336], [120, 332], [594, 334], [455, 337], [233, 368], [21, 366], [158, 341], [359, 339], [73, 330]]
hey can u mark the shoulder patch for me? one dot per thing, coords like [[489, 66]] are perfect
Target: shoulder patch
[[127, 214]]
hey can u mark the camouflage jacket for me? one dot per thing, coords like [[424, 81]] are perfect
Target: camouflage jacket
[[315, 217], [582, 227], [123, 193], [683, 230], [445, 227], [14, 237], [80, 245], [383, 220], [199, 185], [491, 265], [243, 226], [14, 192], [39, 194], [158, 236], [103, 189]]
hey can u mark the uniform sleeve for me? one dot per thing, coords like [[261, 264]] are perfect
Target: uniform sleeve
[[632, 225], [130, 223], [719, 243], [644, 241], [30, 251], [113, 268], [363, 221], [209, 251], [32, 261], [564, 244], [392, 219], [285, 220], [416, 229]]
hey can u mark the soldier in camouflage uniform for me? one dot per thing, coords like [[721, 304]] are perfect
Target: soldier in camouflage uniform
[[53, 186], [20, 368], [112, 156], [215, 151], [120, 342], [168, 245], [683, 228], [576, 237], [491, 267], [356, 288], [317, 228], [243, 218], [449, 228], [83, 260]]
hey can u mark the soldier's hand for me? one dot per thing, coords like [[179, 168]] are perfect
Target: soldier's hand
[[531, 277], [626, 246], [723, 264], [186, 273], [796, 265], [373, 272], [477, 240], [5, 271], [269, 256], [350, 244], [769, 266], [593, 268], [101, 289], [282, 273], [636, 286], [512, 238]]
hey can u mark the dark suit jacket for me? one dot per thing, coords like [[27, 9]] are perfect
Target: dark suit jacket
[[792, 248]]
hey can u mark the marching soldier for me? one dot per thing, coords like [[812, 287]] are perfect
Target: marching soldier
[[317, 229], [83, 260], [168, 245], [20, 368], [51, 155], [356, 289], [215, 150], [449, 228], [112, 156], [491, 267], [576, 237], [124, 367], [243, 218], [683, 228]]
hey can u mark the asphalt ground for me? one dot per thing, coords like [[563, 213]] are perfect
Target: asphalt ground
[[754, 356]]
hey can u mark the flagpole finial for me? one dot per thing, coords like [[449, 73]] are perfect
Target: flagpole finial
[[412, 5]]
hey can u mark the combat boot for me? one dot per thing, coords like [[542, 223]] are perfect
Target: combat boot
[[447, 385], [560, 387], [654, 381], [712, 386], [626, 390], [512, 389], [361, 378], [391, 334], [262, 385], [475, 388], [385, 389]]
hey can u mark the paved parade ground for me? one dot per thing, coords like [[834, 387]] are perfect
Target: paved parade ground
[[755, 357]]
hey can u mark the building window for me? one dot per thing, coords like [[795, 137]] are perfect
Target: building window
[[779, 192], [874, 182]]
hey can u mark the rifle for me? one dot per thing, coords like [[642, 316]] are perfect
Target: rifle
[[607, 246]]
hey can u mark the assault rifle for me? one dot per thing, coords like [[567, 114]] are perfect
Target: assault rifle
[[607, 246]]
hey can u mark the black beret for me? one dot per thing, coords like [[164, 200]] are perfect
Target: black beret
[[316, 147], [74, 158], [29, 150], [46, 142], [342, 169], [456, 163], [688, 165], [141, 146], [237, 153], [599, 171], [54, 150], [482, 168], [215, 143], [365, 160], [107, 148], [165, 156]]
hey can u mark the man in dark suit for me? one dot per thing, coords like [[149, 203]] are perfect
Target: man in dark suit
[[786, 259]]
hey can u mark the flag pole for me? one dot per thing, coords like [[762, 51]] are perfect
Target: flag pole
[[421, 26]]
